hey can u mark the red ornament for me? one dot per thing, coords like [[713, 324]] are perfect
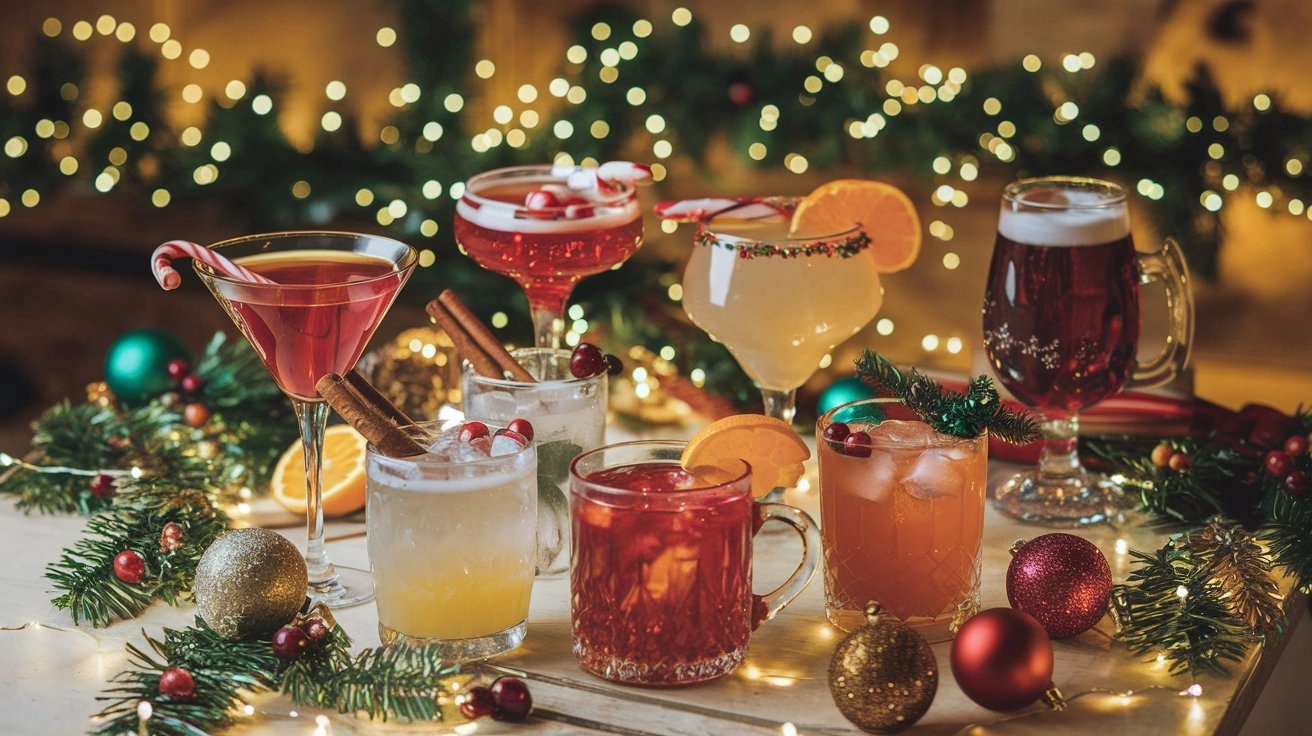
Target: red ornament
[[195, 414], [129, 566], [177, 368], [102, 486], [177, 683], [191, 383], [1002, 659], [1062, 580]]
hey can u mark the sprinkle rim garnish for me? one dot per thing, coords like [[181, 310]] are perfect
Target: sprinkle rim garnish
[[844, 245]]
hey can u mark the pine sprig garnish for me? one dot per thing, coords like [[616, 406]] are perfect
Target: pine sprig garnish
[[949, 412]]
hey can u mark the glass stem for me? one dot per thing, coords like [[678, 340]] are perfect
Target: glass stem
[[1060, 456], [549, 324], [780, 404], [313, 418]]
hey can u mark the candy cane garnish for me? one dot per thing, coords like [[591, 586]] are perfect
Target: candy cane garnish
[[624, 171], [161, 264], [707, 209]]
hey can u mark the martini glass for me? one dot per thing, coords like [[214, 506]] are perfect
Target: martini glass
[[779, 301], [547, 249], [329, 292]]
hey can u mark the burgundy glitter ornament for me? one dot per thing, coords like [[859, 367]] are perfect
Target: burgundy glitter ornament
[[1062, 580], [1002, 659]]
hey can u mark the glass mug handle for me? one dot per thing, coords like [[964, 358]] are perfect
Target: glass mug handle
[[1168, 266], [764, 607]]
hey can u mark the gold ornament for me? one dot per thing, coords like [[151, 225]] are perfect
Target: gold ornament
[[418, 371], [883, 676], [98, 393], [249, 582]]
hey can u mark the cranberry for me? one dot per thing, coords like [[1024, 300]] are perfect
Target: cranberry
[[836, 432], [1278, 463], [177, 683], [477, 702], [102, 486], [1296, 484], [614, 366], [471, 431], [857, 444], [129, 566], [191, 383], [586, 360], [1296, 444], [513, 701], [522, 426], [316, 630], [290, 642], [177, 368]]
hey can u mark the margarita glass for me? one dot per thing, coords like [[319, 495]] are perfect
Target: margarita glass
[[547, 248], [329, 293]]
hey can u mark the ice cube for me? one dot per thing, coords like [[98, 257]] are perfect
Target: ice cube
[[553, 398], [496, 406], [901, 432], [935, 474], [875, 479], [506, 442]]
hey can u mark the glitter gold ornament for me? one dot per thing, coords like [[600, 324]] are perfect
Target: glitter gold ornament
[[418, 371], [883, 676], [250, 582]]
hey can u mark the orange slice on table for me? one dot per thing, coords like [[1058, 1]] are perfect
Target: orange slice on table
[[769, 445], [882, 210], [342, 477]]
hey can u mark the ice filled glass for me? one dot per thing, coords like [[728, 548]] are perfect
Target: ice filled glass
[[568, 416], [901, 517], [661, 565], [450, 537]]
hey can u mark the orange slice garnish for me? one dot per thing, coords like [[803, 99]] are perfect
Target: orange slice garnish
[[769, 445], [342, 477], [882, 210]]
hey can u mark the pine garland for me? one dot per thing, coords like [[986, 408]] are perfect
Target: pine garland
[[949, 412]]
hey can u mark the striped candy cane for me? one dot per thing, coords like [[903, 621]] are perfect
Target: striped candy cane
[[161, 264], [738, 208]]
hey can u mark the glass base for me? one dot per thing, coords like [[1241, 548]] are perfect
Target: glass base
[[347, 587], [462, 650], [671, 672], [1082, 499], [935, 629]]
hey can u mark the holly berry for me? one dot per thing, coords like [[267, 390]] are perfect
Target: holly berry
[[522, 426], [837, 432], [129, 566], [102, 486], [1161, 455], [512, 699], [177, 368], [290, 642], [857, 444], [171, 537], [614, 366], [470, 431], [1278, 463], [477, 702], [1296, 483], [177, 683], [586, 360], [1296, 444], [316, 630], [191, 383], [195, 414]]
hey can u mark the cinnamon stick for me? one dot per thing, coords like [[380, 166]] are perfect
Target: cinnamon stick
[[372, 415], [480, 346]]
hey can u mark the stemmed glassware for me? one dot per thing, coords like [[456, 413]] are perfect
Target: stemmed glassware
[[329, 293], [1061, 328], [547, 227]]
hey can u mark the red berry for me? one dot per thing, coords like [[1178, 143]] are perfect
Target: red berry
[[195, 414], [1179, 462], [177, 368], [1161, 455], [522, 426], [614, 366], [477, 702], [316, 630], [177, 683], [586, 360], [1278, 463], [471, 431], [837, 432], [191, 383], [102, 486], [1296, 484], [1296, 444], [290, 642], [129, 566], [857, 444], [171, 537], [513, 701]]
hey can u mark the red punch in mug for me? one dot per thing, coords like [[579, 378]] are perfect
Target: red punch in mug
[[661, 565]]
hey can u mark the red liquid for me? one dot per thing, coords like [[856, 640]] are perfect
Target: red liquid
[[661, 589], [303, 332], [1061, 323], [548, 264]]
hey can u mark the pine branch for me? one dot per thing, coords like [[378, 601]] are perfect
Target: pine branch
[[1288, 531], [395, 681], [1212, 484], [949, 412]]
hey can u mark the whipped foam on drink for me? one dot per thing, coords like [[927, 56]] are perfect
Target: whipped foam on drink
[[1084, 222], [599, 206]]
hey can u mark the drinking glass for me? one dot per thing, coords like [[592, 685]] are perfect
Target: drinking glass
[[661, 565], [547, 250], [779, 301], [451, 545], [568, 415], [1061, 329], [329, 293], [901, 519]]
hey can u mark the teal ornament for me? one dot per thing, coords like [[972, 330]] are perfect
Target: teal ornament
[[136, 366], [842, 391]]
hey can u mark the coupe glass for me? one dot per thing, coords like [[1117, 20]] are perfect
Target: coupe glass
[[329, 294], [546, 249], [1061, 328]]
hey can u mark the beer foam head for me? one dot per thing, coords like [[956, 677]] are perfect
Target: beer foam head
[[1066, 218]]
